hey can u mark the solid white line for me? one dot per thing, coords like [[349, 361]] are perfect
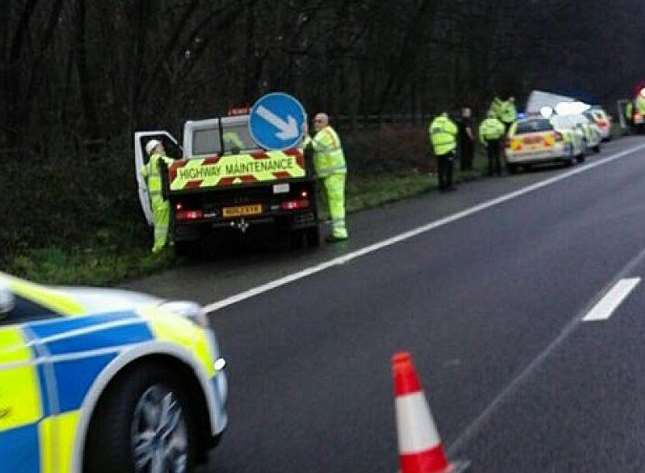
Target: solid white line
[[608, 304], [412, 233]]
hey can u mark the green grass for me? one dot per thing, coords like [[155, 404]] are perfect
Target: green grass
[[113, 257], [89, 265]]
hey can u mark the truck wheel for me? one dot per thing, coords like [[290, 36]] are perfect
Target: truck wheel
[[512, 168], [143, 423], [313, 237]]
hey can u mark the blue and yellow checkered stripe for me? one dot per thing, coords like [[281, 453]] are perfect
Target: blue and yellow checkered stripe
[[46, 370]]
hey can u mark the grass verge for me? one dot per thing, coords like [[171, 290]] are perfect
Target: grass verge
[[109, 259]]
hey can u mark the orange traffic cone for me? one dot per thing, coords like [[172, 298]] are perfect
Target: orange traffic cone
[[420, 447]]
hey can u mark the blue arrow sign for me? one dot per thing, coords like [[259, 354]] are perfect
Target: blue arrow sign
[[277, 121]]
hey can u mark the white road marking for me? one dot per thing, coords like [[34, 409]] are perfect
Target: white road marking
[[610, 302], [412, 233], [483, 418]]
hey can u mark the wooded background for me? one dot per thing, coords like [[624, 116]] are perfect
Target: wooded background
[[79, 76]]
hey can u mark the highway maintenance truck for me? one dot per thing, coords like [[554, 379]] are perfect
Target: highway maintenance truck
[[221, 180]]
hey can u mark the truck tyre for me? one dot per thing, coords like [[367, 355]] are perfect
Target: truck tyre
[[512, 168], [144, 419]]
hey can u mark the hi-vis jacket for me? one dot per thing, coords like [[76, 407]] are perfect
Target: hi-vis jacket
[[491, 129], [328, 152], [151, 172], [443, 135]]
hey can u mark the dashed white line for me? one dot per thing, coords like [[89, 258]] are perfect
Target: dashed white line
[[610, 302], [412, 233]]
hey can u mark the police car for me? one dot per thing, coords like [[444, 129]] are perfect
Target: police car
[[536, 140], [102, 380]]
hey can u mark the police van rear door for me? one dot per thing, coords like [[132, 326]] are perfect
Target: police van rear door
[[141, 158]]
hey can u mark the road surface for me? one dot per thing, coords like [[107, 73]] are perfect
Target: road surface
[[520, 299]]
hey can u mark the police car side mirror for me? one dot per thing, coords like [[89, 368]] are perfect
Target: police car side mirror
[[7, 300]]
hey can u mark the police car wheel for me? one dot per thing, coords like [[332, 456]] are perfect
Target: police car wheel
[[142, 425]]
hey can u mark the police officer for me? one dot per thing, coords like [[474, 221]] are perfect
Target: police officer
[[443, 136], [507, 113], [329, 162], [466, 140], [491, 132], [160, 207]]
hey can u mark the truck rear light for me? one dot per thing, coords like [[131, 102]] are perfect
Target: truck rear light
[[304, 194], [179, 206], [189, 215], [295, 204], [558, 136]]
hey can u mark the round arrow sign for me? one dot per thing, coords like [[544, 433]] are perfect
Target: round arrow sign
[[276, 121]]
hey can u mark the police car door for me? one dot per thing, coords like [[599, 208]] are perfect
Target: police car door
[[23, 400], [141, 158]]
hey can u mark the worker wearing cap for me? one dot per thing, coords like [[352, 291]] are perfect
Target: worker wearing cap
[[443, 136], [329, 163], [160, 207], [491, 132]]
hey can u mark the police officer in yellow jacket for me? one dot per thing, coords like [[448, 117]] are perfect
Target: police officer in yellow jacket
[[160, 207], [443, 136], [508, 113], [491, 132], [329, 162]]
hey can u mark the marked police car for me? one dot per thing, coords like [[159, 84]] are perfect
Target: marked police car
[[101, 380], [537, 140]]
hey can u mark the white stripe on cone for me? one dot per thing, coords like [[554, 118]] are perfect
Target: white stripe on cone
[[415, 424]]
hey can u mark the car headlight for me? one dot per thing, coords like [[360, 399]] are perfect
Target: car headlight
[[190, 310]]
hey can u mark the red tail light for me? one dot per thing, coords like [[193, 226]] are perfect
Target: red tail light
[[558, 136], [603, 123], [295, 204], [184, 215]]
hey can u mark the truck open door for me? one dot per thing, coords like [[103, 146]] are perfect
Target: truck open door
[[141, 158]]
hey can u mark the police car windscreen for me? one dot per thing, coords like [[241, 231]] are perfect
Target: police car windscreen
[[533, 126]]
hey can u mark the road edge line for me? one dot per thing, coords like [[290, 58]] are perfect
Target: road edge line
[[340, 260]]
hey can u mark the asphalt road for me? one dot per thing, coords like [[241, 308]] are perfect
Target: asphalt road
[[491, 305]]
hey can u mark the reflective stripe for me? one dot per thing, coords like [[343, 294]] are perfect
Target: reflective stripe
[[20, 403], [13, 346], [235, 169], [51, 299], [18, 449], [169, 327], [57, 437]]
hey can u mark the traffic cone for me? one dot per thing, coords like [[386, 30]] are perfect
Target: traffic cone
[[420, 447]]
